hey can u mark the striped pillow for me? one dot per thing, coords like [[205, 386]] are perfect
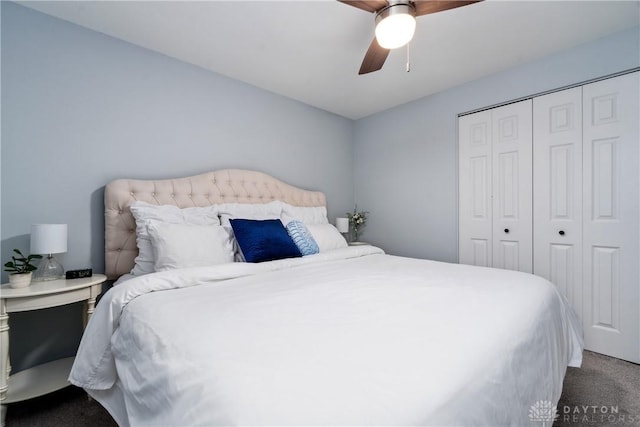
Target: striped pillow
[[302, 238]]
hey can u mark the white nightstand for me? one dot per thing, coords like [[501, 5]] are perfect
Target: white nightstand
[[359, 243], [52, 376]]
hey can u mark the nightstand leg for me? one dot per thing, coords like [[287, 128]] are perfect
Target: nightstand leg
[[89, 308], [5, 366]]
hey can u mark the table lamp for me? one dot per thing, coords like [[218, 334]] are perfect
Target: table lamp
[[342, 224], [48, 239]]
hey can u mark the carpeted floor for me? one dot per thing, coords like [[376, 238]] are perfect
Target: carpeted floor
[[604, 392], [69, 407]]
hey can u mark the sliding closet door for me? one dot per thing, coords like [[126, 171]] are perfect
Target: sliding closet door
[[557, 191], [495, 187], [475, 224], [611, 217], [512, 183]]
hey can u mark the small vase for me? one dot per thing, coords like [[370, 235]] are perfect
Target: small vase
[[355, 234], [19, 280]]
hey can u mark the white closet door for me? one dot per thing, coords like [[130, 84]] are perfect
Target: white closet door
[[611, 217], [512, 186], [474, 133], [557, 191]]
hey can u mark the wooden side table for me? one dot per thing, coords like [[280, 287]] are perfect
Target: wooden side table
[[51, 376]]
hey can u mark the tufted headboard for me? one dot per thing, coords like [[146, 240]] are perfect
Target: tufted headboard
[[223, 186]]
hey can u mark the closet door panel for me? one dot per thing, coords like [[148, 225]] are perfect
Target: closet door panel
[[512, 186], [474, 246], [611, 240], [557, 191]]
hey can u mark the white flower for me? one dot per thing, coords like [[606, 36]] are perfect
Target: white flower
[[357, 219]]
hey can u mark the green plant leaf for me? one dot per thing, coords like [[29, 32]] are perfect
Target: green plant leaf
[[21, 264]]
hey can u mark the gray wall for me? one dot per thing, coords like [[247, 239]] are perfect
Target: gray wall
[[80, 108], [405, 170]]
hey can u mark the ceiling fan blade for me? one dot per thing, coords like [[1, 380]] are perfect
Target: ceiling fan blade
[[368, 5], [425, 7], [374, 58]]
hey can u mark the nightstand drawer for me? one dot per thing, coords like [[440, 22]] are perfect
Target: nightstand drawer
[[45, 301]]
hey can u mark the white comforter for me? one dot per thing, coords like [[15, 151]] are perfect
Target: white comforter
[[350, 337]]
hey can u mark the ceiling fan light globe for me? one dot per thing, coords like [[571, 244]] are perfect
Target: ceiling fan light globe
[[395, 30]]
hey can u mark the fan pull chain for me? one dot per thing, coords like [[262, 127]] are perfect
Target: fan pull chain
[[408, 58]]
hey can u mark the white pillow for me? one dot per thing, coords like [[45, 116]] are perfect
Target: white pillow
[[271, 210], [187, 245], [327, 236], [142, 212], [305, 214]]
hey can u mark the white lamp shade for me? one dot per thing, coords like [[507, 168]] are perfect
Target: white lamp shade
[[48, 238], [342, 224], [395, 30]]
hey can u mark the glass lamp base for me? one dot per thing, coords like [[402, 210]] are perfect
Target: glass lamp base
[[49, 269]]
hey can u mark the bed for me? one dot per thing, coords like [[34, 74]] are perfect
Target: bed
[[347, 335]]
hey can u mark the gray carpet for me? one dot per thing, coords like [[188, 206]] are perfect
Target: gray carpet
[[604, 392], [69, 407]]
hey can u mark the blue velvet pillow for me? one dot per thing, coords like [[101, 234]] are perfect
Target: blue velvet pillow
[[302, 238], [263, 240]]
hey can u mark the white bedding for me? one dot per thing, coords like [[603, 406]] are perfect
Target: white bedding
[[347, 337]]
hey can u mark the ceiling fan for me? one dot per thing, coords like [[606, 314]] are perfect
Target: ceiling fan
[[395, 24]]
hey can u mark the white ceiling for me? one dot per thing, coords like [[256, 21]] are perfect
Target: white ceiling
[[311, 50]]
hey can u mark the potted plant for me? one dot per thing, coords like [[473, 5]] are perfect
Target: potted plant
[[20, 269], [357, 220]]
